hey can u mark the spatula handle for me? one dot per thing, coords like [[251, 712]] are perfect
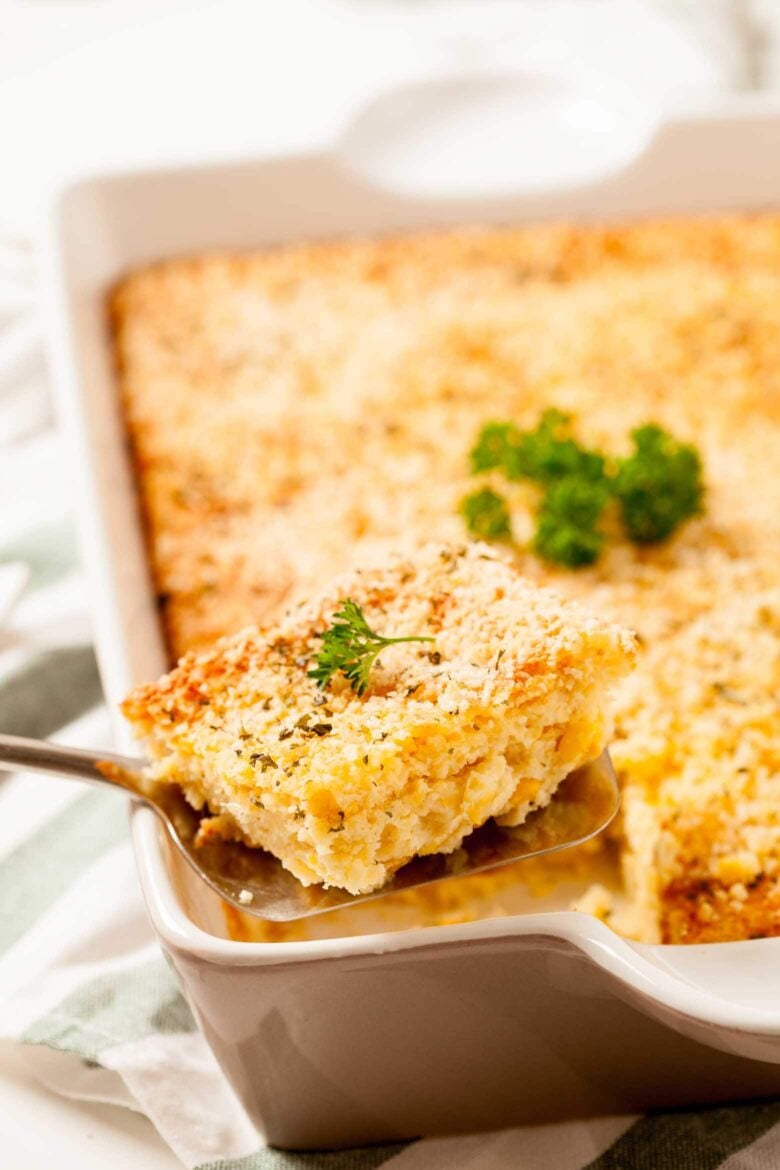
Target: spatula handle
[[35, 755]]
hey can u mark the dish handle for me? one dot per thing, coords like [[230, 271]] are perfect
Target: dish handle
[[482, 132], [546, 143], [721, 994]]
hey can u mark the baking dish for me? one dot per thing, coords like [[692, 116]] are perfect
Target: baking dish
[[529, 1018]]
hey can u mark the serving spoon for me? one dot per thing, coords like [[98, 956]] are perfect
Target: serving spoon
[[255, 882]]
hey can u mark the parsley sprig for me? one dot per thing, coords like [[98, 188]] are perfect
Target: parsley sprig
[[487, 515], [546, 454], [350, 646], [567, 523], [656, 488]]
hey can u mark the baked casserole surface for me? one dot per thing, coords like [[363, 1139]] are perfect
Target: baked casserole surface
[[296, 410]]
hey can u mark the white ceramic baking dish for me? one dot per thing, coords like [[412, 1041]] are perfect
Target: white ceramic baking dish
[[522, 1019]]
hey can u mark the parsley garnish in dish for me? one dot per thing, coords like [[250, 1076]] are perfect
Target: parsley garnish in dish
[[487, 515], [659, 486], [567, 523], [656, 488], [544, 455], [350, 646], [494, 449]]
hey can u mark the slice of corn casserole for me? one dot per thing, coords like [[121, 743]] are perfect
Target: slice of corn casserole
[[343, 789]]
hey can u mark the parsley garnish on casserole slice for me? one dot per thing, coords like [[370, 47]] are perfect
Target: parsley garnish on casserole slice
[[345, 787], [350, 646]]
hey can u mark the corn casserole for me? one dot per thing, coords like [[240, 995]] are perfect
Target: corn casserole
[[294, 410], [344, 788]]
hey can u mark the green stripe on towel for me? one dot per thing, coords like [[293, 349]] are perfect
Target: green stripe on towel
[[49, 551], [113, 1009], [38, 872], [50, 691], [700, 1139], [367, 1158]]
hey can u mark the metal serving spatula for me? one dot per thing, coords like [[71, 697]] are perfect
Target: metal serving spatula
[[256, 883]]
